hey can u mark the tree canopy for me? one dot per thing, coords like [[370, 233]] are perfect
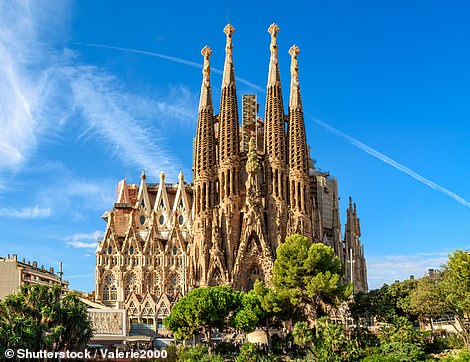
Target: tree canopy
[[203, 309], [309, 275], [455, 290], [262, 307], [40, 317]]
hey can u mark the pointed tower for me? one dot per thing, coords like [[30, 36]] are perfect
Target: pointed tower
[[229, 156], [204, 177], [275, 149], [300, 220], [356, 270]]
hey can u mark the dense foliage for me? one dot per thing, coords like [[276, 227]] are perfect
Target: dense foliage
[[306, 285], [203, 309], [40, 317], [309, 275]]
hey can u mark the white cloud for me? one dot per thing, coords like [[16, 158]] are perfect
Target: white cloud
[[389, 268], [43, 85], [26, 212], [123, 120], [72, 195], [82, 240]]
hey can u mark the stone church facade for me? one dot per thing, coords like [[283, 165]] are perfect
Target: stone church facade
[[252, 186]]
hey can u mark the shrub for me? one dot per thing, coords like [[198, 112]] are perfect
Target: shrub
[[277, 344], [198, 353], [403, 351], [332, 344], [461, 356], [226, 349], [248, 353]]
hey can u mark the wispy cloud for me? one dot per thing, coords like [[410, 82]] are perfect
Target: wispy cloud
[[173, 59], [388, 268], [84, 241], [26, 212], [17, 137], [69, 194], [42, 87], [121, 119], [400, 167]]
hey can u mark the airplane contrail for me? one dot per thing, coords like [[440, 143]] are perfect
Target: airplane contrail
[[369, 150], [362, 146], [173, 59]]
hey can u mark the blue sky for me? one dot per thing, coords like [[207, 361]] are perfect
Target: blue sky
[[385, 88]]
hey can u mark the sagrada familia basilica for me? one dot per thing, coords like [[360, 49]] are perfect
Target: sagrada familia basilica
[[253, 185]]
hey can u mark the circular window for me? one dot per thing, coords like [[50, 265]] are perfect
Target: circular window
[[181, 219], [110, 250], [142, 219], [161, 220], [131, 250]]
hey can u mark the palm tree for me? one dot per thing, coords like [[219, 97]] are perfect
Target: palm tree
[[40, 317]]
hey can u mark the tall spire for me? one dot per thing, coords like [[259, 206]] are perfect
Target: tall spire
[[298, 151], [275, 148], [299, 181], [204, 175], [229, 143], [274, 118], [204, 148], [229, 155]]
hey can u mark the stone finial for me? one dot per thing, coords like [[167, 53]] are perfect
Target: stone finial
[[273, 30], [181, 176], [206, 69], [142, 175], [162, 176], [294, 68], [295, 100], [229, 30]]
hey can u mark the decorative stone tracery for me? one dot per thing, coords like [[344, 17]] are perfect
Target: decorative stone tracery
[[248, 194]]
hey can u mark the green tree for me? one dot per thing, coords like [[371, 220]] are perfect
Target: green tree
[[386, 303], [262, 307], [40, 317], [309, 275], [400, 296], [426, 300], [454, 289], [402, 341], [203, 309]]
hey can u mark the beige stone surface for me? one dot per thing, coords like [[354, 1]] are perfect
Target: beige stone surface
[[252, 186]]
